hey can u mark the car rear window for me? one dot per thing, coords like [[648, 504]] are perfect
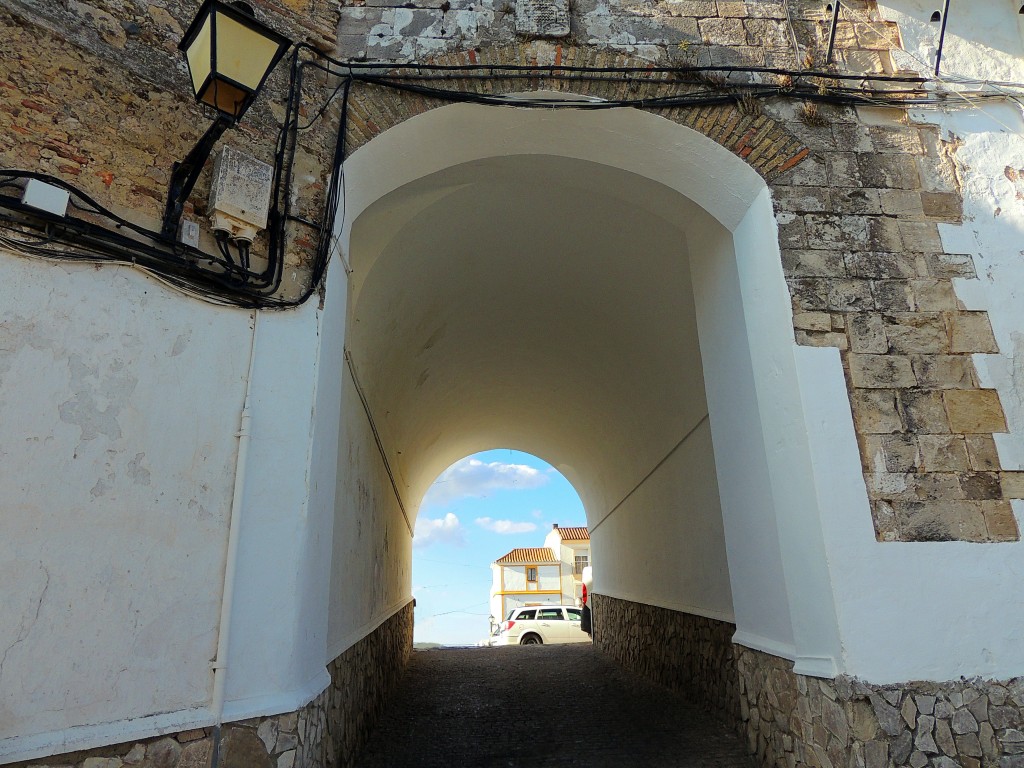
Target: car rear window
[[527, 615]]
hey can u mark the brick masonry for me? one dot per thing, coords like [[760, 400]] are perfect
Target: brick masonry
[[326, 733], [791, 720]]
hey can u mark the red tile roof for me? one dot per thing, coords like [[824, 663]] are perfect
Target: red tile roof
[[527, 556], [574, 534]]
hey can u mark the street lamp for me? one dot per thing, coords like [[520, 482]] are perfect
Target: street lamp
[[230, 55]]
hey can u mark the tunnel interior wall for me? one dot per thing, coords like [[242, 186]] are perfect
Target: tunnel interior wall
[[686, 652], [672, 527], [372, 554]]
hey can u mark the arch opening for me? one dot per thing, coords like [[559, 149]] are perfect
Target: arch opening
[[479, 524], [602, 290]]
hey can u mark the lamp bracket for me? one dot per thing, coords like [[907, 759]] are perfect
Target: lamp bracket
[[185, 174]]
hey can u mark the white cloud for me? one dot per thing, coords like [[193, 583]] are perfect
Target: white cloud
[[537, 514], [505, 526], [472, 477], [444, 530]]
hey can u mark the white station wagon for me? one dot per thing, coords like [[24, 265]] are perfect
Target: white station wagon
[[539, 624]]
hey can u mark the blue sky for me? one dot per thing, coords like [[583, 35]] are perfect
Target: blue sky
[[475, 512]]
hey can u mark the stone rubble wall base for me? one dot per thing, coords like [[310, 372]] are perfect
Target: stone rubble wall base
[[791, 720], [326, 733], [338, 722], [687, 653]]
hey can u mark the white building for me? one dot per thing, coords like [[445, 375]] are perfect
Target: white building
[[548, 575], [572, 548]]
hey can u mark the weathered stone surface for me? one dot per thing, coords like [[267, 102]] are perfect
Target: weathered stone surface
[[542, 18], [888, 716], [867, 334], [882, 372], [875, 411], [924, 412], [916, 332], [924, 739], [974, 411], [982, 451], [971, 332], [944, 737], [969, 745], [901, 747], [242, 748], [942, 453], [940, 371]]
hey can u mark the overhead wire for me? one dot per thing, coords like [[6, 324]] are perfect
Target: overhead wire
[[220, 278]]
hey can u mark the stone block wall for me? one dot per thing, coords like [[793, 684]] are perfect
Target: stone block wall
[[326, 733], [339, 721], [690, 654], [262, 742]]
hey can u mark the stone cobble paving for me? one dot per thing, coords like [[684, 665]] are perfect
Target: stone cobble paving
[[541, 706]]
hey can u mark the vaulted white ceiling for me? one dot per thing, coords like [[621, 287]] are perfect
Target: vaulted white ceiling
[[532, 302]]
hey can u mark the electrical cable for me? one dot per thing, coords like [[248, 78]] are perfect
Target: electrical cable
[[221, 278]]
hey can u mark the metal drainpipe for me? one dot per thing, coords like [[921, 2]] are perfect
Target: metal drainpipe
[[220, 663]]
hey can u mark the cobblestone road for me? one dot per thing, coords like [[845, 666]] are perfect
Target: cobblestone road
[[527, 706]]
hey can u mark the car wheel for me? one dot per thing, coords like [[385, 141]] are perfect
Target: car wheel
[[531, 639]]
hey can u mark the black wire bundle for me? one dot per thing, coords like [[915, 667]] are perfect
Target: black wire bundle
[[222, 278]]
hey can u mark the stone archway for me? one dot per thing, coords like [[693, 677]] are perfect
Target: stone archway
[[414, 177], [745, 130]]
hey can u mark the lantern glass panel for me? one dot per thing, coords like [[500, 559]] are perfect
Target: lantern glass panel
[[198, 56], [243, 54]]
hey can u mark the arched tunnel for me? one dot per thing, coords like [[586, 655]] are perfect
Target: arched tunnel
[[544, 303], [602, 290]]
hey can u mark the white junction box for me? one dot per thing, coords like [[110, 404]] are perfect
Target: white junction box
[[46, 197], [240, 194]]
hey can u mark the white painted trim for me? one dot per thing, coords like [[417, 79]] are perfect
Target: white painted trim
[[815, 666], [680, 607], [82, 737], [764, 644], [88, 736], [278, 703], [353, 637]]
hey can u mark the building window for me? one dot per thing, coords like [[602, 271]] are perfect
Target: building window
[[581, 562], [531, 573]]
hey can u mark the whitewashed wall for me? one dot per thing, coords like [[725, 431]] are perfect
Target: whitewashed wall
[[120, 405], [119, 402]]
